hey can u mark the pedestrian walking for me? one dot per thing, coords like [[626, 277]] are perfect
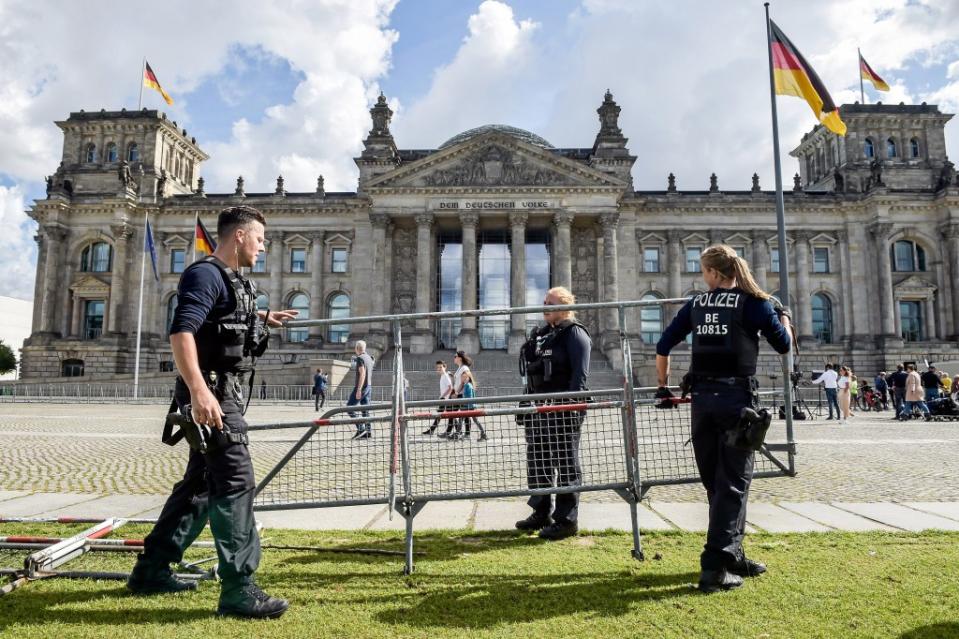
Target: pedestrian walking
[[263, 389], [362, 388], [914, 395], [898, 380], [853, 393], [931, 383], [882, 387], [446, 392], [320, 382], [461, 378]]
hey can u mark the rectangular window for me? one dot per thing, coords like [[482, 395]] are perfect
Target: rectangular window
[[692, 258], [298, 260], [651, 259], [774, 260], [820, 259], [177, 260], [740, 251], [93, 319], [904, 257], [910, 314], [339, 260], [260, 265]]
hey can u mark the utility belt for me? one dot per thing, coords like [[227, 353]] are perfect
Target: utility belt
[[691, 380], [202, 438]]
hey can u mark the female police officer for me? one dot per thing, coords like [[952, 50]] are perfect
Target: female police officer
[[725, 323]]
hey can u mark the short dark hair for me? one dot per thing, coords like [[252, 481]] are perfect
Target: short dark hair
[[829, 367], [899, 367], [440, 362], [236, 216]]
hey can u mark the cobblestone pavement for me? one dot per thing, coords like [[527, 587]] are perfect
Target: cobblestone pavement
[[115, 449]]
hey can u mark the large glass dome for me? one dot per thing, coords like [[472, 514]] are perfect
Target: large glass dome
[[523, 135]]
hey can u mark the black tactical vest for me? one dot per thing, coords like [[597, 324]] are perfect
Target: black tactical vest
[[722, 347], [543, 372], [230, 342]]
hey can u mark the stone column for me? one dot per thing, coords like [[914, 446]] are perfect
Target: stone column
[[760, 259], [53, 246], [118, 289], [274, 260], [517, 333], [316, 286], [803, 296], [929, 311], [674, 270], [563, 249], [610, 224], [39, 282], [468, 339], [951, 233], [65, 299], [887, 312], [422, 339]]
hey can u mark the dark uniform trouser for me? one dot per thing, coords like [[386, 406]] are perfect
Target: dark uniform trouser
[[319, 398], [218, 487], [552, 459], [726, 472]]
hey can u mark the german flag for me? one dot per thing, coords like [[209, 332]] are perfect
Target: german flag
[[202, 240], [794, 76], [150, 80], [868, 74]]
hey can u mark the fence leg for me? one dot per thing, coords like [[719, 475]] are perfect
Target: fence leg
[[409, 511], [632, 499]]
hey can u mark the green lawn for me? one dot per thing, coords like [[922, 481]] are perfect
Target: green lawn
[[502, 585]]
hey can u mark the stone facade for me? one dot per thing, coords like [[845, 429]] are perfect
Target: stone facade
[[873, 241]]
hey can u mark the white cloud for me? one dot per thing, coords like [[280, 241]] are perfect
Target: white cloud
[[16, 245], [691, 78]]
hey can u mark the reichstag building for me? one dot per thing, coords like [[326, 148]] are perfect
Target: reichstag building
[[492, 218]]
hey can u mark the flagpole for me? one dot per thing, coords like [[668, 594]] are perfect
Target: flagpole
[[862, 92], [143, 68], [143, 265], [787, 359], [196, 223]]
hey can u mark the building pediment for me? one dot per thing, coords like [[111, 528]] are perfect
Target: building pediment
[[88, 286], [915, 285], [494, 160]]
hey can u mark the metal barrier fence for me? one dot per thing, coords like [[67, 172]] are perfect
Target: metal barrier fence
[[500, 446]]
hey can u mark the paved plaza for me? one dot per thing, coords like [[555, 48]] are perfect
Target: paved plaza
[[106, 459]]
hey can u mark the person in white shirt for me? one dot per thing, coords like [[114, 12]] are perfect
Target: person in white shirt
[[446, 392], [464, 385], [830, 381], [844, 393]]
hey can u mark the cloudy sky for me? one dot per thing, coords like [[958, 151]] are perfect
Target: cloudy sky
[[283, 87]]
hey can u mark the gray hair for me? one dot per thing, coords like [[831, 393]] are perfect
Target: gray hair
[[360, 345]]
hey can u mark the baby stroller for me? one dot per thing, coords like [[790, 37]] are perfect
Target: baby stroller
[[943, 409]]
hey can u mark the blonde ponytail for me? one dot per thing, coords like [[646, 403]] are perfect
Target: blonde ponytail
[[724, 259]]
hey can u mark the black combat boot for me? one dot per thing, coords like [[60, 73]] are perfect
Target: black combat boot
[[746, 567], [716, 580], [247, 601], [149, 578], [536, 521], [559, 529]]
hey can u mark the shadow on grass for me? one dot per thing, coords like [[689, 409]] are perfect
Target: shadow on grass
[[46, 607], [934, 631], [485, 601]]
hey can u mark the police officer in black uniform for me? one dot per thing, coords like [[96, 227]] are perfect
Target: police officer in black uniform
[[216, 334], [555, 359], [725, 323]]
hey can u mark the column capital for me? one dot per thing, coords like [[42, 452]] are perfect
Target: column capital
[[881, 231], [379, 220], [54, 233], [469, 218], [761, 236], [274, 236], [563, 218], [802, 236], [950, 230], [675, 236], [122, 232], [317, 236], [518, 219], [842, 235], [609, 220]]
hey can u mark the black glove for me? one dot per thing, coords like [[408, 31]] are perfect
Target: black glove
[[665, 397]]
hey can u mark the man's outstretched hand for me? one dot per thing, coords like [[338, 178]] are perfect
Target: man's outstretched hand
[[277, 318]]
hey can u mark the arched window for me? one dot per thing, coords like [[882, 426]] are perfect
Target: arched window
[[133, 152], [71, 368], [171, 305], [262, 302], [914, 148], [651, 320], [869, 149], [300, 302], [890, 148], [339, 307], [822, 318], [907, 256], [90, 155], [112, 152], [96, 258]]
